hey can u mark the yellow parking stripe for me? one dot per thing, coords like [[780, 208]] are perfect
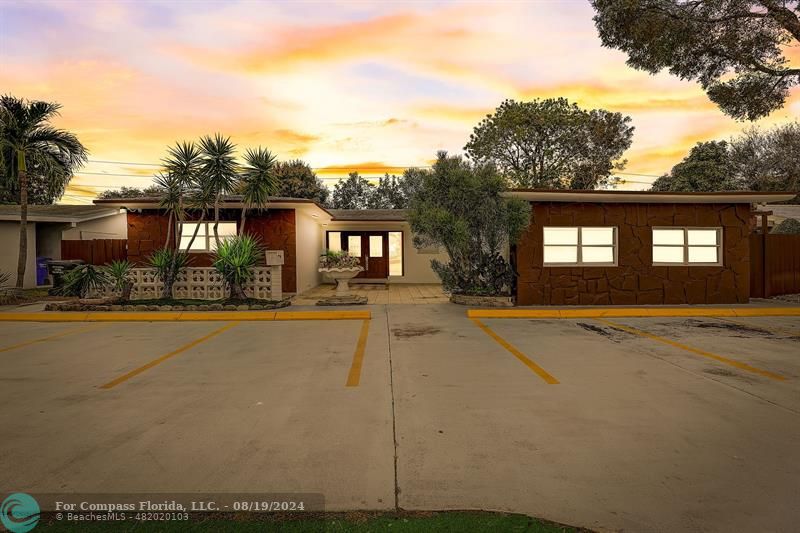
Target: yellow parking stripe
[[354, 376], [50, 337], [633, 312], [154, 362], [541, 372], [697, 351]]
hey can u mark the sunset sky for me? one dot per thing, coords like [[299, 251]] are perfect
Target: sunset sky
[[343, 85]]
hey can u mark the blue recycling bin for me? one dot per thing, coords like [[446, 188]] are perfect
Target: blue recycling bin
[[41, 270]]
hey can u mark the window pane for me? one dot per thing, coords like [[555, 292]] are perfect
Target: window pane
[[703, 236], [376, 245], [668, 236], [703, 254], [225, 229], [560, 254], [597, 254], [561, 235], [354, 245], [395, 253], [667, 254], [187, 230], [597, 236], [335, 241]]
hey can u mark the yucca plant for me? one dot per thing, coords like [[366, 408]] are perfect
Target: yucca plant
[[82, 279], [119, 273], [168, 263], [4, 277], [235, 258]]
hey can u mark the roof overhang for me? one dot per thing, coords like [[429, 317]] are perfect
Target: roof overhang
[[64, 219], [309, 206], [639, 197]]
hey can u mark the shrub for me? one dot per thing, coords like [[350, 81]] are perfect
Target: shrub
[[788, 226], [235, 258], [341, 259], [458, 205], [82, 279], [168, 263], [119, 273], [4, 277]]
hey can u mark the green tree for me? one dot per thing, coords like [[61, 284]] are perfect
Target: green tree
[[352, 193], [734, 48], [707, 168], [459, 206], [297, 180], [27, 138], [257, 181], [130, 192], [388, 194], [552, 144], [768, 160], [220, 169]]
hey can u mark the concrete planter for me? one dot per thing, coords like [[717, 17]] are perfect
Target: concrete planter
[[482, 301], [342, 276]]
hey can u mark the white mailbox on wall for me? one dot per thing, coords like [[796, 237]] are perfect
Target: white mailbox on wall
[[274, 257]]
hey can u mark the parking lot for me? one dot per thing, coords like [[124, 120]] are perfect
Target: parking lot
[[657, 423]]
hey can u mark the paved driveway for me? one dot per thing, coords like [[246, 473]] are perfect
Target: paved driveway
[[656, 424]]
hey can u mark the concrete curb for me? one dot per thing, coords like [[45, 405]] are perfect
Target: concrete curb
[[182, 316], [633, 312]]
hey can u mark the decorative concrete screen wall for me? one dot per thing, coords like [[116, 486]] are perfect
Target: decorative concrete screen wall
[[202, 283]]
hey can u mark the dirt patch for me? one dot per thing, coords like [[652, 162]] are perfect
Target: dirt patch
[[738, 330], [610, 333], [409, 331]]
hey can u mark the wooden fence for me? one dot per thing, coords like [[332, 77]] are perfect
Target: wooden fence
[[95, 251], [774, 268]]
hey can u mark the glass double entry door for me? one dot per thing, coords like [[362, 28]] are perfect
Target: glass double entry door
[[372, 247]]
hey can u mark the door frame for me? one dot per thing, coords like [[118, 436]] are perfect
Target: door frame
[[365, 250]]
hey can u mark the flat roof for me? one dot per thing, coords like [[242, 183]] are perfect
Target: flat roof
[[57, 213], [649, 197], [229, 201], [368, 215]]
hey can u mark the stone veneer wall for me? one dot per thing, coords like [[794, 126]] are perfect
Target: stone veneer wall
[[147, 230], [635, 280]]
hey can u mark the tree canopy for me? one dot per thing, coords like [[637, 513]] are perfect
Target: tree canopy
[[707, 168], [52, 155], [131, 192], [757, 160], [296, 179], [391, 192], [734, 48], [352, 193], [458, 206], [552, 144]]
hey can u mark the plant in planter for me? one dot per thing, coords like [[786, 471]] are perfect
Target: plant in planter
[[235, 258], [341, 267], [119, 272], [168, 263], [458, 205], [83, 279]]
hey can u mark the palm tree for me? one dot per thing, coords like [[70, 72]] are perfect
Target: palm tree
[[183, 176], [220, 169], [257, 181], [25, 131]]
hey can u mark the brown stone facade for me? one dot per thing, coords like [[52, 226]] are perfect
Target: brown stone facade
[[147, 231], [635, 280]]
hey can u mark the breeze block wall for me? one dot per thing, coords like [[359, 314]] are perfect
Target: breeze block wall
[[147, 231], [635, 281]]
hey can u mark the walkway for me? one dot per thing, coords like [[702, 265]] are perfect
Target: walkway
[[398, 293]]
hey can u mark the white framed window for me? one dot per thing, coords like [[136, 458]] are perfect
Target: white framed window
[[687, 246], [204, 241], [580, 245]]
